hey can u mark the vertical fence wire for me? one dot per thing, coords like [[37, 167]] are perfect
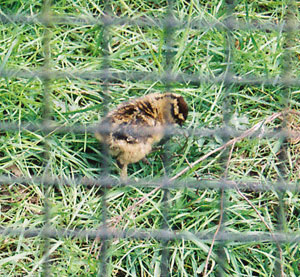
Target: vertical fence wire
[[227, 113], [168, 33], [286, 72], [46, 117], [105, 34]]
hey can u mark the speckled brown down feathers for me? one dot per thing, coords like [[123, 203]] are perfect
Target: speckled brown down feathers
[[126, 139]]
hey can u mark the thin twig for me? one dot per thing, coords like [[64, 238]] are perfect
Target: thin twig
[[196, 174], [221, 214], [228, 160], [216, 233]]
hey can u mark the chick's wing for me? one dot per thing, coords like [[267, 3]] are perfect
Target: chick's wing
[[130, 123]]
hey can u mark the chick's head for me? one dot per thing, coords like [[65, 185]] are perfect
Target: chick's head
[[177, 109]]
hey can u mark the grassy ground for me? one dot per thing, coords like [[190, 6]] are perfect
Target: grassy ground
[[80, 101]]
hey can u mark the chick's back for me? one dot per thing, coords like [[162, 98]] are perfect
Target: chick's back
[[127, 140]]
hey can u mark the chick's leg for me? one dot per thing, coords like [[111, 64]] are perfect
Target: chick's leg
[[124, 172], [123, 168]]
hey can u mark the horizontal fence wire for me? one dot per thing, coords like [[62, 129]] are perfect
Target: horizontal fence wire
[[232, 24], [114, 233], [171, 183], [107, 75], [258, 131], [193, 79]]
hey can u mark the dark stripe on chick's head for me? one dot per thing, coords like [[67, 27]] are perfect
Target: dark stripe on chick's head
[[179, 109]]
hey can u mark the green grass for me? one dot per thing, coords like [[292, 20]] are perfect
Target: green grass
[[79, 101]]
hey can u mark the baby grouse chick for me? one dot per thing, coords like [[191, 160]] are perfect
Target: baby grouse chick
[[126, 139]]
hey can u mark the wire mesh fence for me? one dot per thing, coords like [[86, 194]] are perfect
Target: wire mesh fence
[[229, 135]]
